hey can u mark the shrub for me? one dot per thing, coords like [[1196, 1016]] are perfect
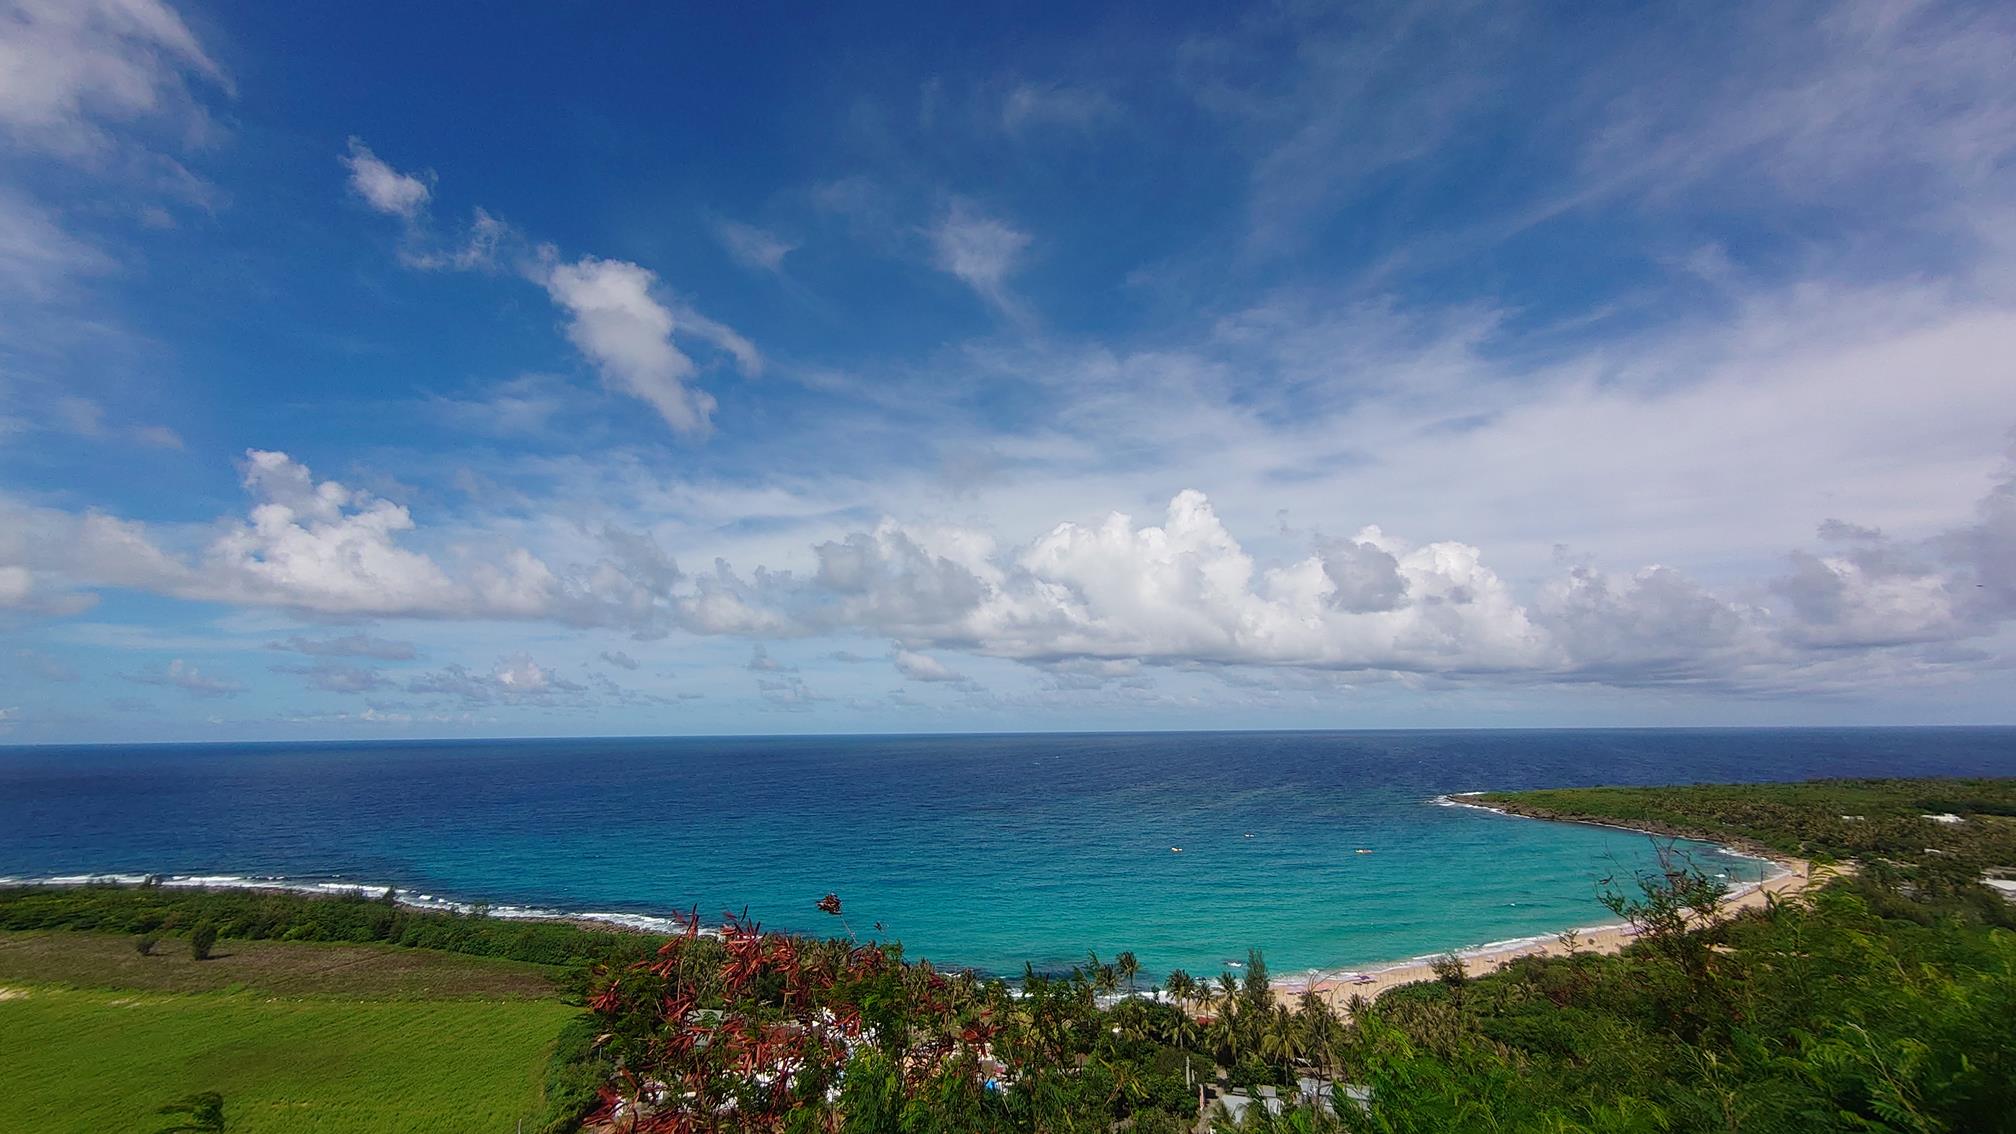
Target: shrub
[[145, 943], [202, 939]]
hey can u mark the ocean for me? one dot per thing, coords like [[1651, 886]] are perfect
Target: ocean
[[1325, 850]]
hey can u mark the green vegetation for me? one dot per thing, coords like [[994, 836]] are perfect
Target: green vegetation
[[202, 940], [1883, 1001], [295, 1027], [90, 1060], [200, 1113], [270, 968], [274, 915], [1820, 819]]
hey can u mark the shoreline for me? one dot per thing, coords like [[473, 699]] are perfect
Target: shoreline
[[1337, 983], [598, 920], [1340, 986]]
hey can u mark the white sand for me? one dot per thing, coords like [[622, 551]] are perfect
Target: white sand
[[1794, 876]]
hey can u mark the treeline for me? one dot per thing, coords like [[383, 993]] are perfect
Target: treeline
[[1817, 1014], [1884, 1001], [1828, 820], [283, 916]]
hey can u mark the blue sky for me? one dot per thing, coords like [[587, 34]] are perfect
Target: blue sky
[[373, 370]]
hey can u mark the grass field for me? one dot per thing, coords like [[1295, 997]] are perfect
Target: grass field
[[278, 968], [295, 1037]]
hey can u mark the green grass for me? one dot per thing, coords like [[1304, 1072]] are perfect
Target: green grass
[[95, 1060], [275, 968]]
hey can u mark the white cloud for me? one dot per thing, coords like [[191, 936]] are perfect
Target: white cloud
[[65, 65], [753, 247], [923, 667], [1056, 104], [383, 188], [477, 246], [181, 675], [628, 334], [616, 317], [38, 257], [619, 659], [515, 680], [357, 645], [520, 407], [158, 437], [1079, 599], [335, 677], [982, 252], [16, 584]]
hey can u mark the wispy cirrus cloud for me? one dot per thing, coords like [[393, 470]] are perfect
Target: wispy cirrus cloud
[[982, 251]]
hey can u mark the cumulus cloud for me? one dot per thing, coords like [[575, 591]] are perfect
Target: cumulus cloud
[[618, 317], [619, 659], [383, 188], [1087, 602], [514, 680], [786, 693], [619, 325], [181, 675]]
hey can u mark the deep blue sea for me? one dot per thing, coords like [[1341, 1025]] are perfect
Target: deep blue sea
[[983, 851]]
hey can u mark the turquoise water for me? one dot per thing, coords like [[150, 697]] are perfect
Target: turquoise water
[[974, 851]]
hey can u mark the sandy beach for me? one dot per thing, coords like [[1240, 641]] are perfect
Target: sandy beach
[[1340, 986]]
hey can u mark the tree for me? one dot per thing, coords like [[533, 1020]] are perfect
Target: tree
[[202, 939], [1181, 985], [1101, 975], [1129, 968], [202, 1114], [1258, 995], [1453, 973]]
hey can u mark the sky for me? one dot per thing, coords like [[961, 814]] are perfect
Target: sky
[[375, 371]]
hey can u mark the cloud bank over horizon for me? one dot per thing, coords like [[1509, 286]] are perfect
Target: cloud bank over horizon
[[1236, 399]]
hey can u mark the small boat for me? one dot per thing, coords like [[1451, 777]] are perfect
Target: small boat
[[1362, 850], [1249, 834], [1175, 850]]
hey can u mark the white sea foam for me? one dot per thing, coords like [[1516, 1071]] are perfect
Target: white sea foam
[[649, 923]]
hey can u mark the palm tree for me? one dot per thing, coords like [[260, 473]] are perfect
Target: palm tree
[[1282, 1041], [1101, 975], [1129, 968], [1181, 985]]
